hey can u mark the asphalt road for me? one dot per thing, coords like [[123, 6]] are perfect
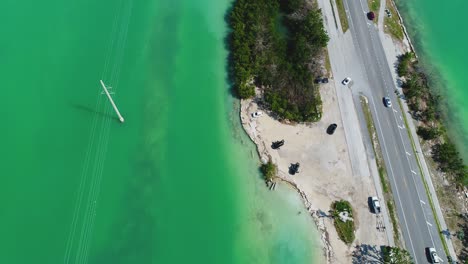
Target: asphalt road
[[415, 215]]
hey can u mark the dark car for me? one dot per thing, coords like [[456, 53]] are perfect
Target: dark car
[[331, 129], [321, 80], [294, 168], [371, 15], [387, 102], [277, 144]]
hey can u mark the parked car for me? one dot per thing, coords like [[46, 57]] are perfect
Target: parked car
[[433, 255], [277, 144], [387, 102], [331, 129], [375, 205], [371, 15], [388, 13], [321, 80], [257, 114], [294, 168], [346, 81]]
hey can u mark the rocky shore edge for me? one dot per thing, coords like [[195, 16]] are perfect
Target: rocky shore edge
[[264, 154]]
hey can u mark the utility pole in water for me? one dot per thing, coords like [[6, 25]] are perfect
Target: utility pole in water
[[112, 102]]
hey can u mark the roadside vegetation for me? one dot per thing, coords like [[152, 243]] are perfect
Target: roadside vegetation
[[343, 218], [342, 15], [392, 24], [278, 46], [424, 105], [395, 255], [269, 170], [388, 196], [374, 6]]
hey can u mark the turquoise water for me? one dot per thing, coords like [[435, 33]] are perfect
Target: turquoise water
[[178, 182], [437, 30]]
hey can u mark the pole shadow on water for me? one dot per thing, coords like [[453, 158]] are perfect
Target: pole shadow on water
[[92, 111]]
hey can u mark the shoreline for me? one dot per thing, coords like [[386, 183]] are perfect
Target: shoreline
[[326, 174], [264, 155], [398, 47], [430, 170]]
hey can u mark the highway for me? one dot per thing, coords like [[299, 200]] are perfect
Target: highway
[[359, 54]]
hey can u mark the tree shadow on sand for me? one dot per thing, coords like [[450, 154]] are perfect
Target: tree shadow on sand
[[367, 254]]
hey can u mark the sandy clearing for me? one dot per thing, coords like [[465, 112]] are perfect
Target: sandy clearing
[[325, 174]]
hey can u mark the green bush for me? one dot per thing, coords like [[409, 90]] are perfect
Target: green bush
[[345, 230], [394, 255], [449, 161], [428, 133], [404, 63], [269, 170]]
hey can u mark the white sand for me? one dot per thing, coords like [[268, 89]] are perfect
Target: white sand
[[325, 174]]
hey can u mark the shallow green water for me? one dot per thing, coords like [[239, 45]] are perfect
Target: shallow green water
[[176, 183], [438, 30]]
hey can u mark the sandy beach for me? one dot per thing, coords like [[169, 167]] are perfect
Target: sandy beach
[[325, 173]]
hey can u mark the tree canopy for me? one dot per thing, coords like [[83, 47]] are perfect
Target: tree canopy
[[274, 44]]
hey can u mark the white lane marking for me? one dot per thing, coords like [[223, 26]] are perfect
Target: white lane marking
[[407, 153], [395, 110], [422, 201], [393, 176], [379, 63], [413, 171], [429, 223], [401, 118]]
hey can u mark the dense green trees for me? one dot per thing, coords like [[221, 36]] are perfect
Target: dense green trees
[[273, 46], [428, 133], [449, 160], [425, 107]]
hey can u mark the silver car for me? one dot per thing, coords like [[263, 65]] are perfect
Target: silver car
[[346, 81]]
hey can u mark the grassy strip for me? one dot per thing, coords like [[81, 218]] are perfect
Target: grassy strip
[[374, 6], [426, 186], [342, 14], [333, 11], [381, 167], [327, 63], [392, 24], [345, 230]]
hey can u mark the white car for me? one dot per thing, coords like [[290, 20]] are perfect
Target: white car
[[375, 205], [346, 81], [434, 257], [257, 114]]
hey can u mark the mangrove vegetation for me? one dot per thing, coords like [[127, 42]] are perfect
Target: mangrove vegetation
[[278, 46], [424, 106]]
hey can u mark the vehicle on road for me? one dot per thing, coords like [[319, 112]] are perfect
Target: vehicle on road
[[257, 114], [331, 129], [346, 81], [294, 168], [434, 258], [387, 102], [375, 204], [277, 144], [371, 15]]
